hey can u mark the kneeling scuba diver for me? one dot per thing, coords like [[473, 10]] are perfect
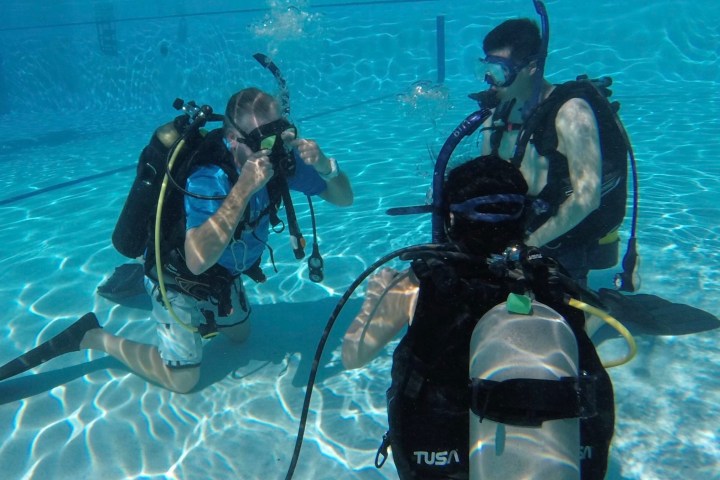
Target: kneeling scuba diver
[[478, 288], [152, 223], [128, 236]]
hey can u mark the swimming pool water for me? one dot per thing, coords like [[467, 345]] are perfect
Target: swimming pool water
[[83, 85]]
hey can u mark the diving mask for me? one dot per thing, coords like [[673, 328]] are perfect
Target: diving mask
[[265, 137], [272, 136], [488, 208], [499, 71]]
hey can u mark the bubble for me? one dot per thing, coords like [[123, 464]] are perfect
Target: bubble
[[426, 99], [287, 20]]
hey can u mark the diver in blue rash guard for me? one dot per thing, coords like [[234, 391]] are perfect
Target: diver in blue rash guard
[[228, 234], [211, 233]]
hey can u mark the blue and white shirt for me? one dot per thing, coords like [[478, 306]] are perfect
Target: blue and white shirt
[[212, 181]]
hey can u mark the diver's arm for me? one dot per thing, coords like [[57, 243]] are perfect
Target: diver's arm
[[579, 141], [205, 244], [390, 300], [338, 191]]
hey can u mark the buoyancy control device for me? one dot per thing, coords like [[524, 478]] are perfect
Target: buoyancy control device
[[538, 395]]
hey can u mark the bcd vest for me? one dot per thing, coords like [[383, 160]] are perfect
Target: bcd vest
[[429, 399]]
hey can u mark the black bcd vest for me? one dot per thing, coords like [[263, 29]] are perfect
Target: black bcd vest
[[539, 130], [429, 399]]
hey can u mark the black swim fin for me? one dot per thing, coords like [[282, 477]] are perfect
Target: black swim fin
[[126, 281], [653, 315], [64, 342]]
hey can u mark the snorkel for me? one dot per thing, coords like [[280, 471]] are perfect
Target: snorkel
[[540, 59], [315, 261], [267, 62]]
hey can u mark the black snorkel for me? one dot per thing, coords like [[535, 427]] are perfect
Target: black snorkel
[[315, 261], [540, 58], [267, 62]]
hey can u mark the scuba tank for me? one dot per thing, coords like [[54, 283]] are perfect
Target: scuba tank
[[131, 230], [510, 433]]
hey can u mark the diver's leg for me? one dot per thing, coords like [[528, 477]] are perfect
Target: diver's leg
[[143, 359], [175, 362]]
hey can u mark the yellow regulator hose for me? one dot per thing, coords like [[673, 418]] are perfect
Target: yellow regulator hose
[[158, 222], [614, 323]]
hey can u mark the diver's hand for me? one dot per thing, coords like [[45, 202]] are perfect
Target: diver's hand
[[311, 154], [256, 172]]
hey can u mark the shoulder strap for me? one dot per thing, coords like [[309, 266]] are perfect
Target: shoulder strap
[[544, 112]]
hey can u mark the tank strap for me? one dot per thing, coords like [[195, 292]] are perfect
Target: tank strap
[[528, 402]]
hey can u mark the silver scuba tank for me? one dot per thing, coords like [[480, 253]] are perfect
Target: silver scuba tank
[[538, 345]]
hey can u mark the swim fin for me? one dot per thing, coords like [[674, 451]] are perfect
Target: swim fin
[[64, 342], [653, 315], [126, 281]]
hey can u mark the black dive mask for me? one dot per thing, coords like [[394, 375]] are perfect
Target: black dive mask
[[266, 137], [269, 137]]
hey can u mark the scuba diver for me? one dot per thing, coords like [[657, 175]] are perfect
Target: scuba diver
[[228, 186], [475, 307], [569, 144], [497, 375], [572, 149]]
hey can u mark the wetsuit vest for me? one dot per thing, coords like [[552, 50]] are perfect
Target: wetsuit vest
[[539, 129], [430, 396]]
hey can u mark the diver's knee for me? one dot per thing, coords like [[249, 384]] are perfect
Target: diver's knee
[[182, 380]]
